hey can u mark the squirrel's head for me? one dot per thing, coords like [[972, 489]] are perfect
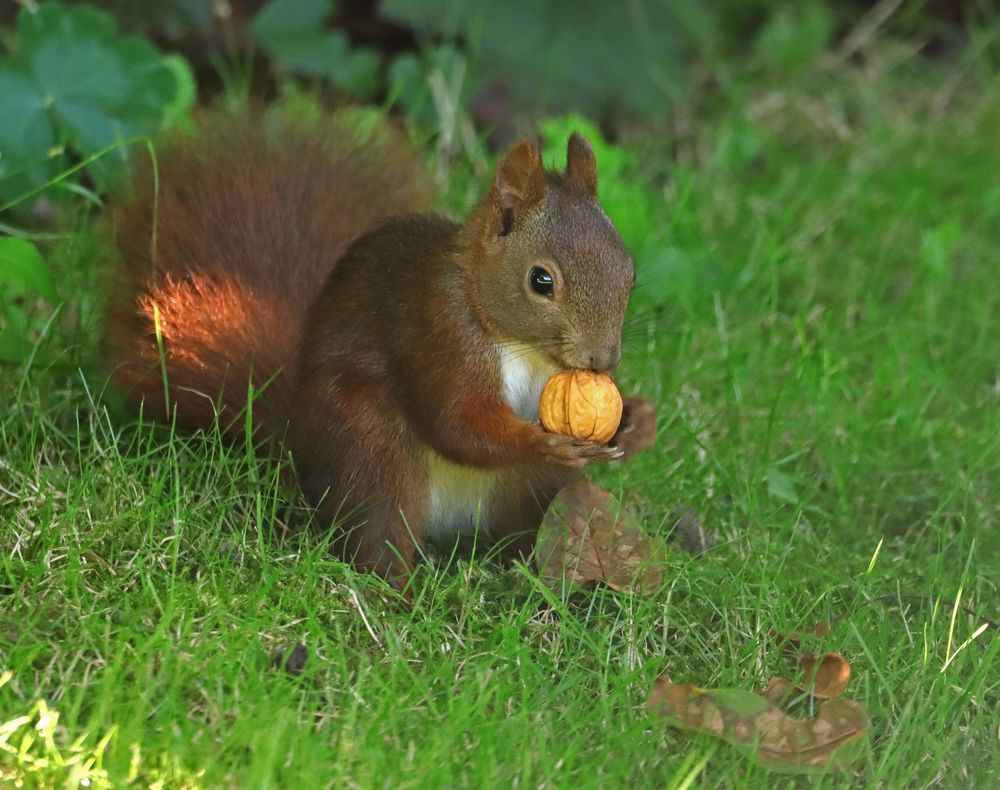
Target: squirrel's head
[[552, 271]]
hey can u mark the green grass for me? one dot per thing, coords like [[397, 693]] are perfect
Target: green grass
[[826, 363]]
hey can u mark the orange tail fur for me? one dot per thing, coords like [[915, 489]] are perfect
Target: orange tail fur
[[250, 215]]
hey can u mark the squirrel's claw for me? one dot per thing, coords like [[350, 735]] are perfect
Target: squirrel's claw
[[637, 431], [576, 453]]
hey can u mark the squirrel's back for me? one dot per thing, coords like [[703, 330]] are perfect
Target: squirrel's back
[[223, 248]]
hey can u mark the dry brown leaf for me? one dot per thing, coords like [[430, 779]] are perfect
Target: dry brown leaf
[[826, 676], [756, 724], [584, 540], [781, 692]]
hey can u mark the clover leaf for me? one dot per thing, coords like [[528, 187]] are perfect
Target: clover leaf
[[75, 85], [293, 33]]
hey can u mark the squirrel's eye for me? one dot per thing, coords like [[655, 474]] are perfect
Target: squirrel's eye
[[542, 282]]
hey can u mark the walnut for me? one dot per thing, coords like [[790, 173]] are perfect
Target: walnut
[[581, 403]]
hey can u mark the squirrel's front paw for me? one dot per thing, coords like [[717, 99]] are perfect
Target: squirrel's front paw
[[637, 429], [576, 453]]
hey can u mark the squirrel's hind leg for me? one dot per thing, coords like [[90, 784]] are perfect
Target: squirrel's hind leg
[[519, 504], [383, 542], [357, 467]]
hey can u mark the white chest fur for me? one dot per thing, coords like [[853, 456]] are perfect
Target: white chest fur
[[459, 495], [524, 371]]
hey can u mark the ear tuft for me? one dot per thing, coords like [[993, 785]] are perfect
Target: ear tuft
[[520, 179], [581, 166]]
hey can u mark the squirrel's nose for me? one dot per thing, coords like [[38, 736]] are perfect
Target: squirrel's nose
[[606, 360]]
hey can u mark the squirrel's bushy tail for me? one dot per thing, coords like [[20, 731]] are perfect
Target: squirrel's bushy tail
[[250, 214]]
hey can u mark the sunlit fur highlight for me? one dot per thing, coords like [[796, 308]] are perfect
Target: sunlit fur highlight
[[251, 216]]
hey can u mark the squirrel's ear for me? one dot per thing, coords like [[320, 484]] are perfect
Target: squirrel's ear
[[581, 167], [520, 183]]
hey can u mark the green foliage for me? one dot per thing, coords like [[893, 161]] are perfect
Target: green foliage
[[568, 55], [293, 33], [794, 34], [74, 86], [24, 278], [435, 91], [781, 487], [591, 56], [173, 18], [28, 750], [422, 83]]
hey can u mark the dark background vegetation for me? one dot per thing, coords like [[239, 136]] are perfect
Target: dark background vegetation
[[482, 70]]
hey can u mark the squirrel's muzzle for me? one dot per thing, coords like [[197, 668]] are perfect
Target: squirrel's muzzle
[[605, 360]]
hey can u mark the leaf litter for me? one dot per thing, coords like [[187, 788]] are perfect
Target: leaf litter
[[587, 537], [759, 725]]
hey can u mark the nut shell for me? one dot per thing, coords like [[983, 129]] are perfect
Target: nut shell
[[581, 403]]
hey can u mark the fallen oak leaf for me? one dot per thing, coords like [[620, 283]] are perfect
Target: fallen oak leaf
[[781, 692], [756, 724], [583, 539]]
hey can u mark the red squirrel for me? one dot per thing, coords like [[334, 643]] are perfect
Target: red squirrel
[[398, 356]]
